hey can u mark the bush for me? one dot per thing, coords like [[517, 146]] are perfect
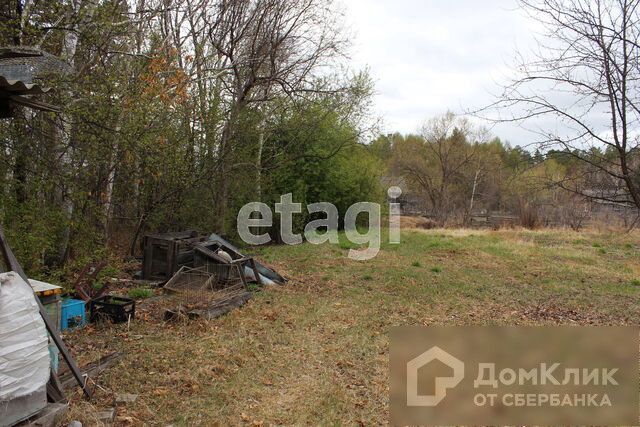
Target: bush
[[140, 293]]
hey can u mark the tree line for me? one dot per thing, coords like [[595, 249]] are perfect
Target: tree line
[[454, 170], [174, 113]]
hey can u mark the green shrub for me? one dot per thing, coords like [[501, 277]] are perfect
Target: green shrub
[[140, 293]]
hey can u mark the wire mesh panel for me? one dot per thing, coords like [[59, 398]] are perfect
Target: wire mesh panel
[[226, 274], [191, 280], [203, 287]]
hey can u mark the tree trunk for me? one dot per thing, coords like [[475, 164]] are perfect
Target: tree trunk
[[473, 195], [224, 167], [111, 177], [259, 160], [69, 46]]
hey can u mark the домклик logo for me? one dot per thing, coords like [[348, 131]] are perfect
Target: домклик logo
[[442, 383]]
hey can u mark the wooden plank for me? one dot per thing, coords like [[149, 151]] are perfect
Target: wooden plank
[[51, 416], [174, 235], [54, 389], [93, 369], [9, 257], [243, 278], [256, 273], [172, 258], [222, 307], [13, 263], [146, 258]]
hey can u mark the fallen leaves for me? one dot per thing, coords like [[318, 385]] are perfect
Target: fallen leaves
[[315, 351]]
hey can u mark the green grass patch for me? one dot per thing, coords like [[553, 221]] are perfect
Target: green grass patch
[[140, 293], [315, 351]]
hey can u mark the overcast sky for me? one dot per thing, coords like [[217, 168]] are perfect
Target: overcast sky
[[427, 56]]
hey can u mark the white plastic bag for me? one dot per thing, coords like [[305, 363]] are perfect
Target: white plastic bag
[[24, 353]]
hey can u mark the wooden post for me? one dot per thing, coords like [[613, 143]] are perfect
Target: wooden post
[[254, 267]]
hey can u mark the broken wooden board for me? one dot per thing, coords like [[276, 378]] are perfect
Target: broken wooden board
[[224, 307], [92, 370], [50, 416], [216, 310]]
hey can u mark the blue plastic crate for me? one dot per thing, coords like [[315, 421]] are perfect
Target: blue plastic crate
[[73, 314]]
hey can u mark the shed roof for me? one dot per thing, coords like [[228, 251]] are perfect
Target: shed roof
[[27, 64], [19, 68], [18, 87]]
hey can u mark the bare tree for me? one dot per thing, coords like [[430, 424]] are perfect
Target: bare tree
[[438, 162], [268, 48], [585, 80]]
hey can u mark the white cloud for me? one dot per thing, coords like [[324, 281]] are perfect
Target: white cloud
[[427, 56]]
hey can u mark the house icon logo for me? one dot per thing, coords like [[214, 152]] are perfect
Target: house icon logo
[[442, 383]]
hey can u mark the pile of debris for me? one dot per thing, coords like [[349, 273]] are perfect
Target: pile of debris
[[207, 275]]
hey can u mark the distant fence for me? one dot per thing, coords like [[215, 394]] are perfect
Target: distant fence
[[576, 217], [555, 219], [495, 220]]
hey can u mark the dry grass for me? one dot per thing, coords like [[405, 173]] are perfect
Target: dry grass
[[314, 352]]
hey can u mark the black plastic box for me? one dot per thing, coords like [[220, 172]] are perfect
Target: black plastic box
[[117, 309]]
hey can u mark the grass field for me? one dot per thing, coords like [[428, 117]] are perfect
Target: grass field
[[316, 350]]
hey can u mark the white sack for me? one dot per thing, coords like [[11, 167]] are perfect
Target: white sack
[[24, 353]]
